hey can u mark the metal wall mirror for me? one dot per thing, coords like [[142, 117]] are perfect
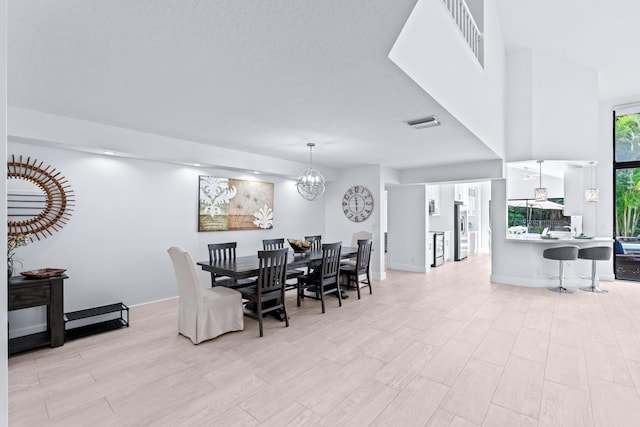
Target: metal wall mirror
[[39, 198]]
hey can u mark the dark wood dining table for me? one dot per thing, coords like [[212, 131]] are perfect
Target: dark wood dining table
[[245, 267]]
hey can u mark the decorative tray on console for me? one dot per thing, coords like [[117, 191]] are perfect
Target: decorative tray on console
[[299, 246], [43, 273]]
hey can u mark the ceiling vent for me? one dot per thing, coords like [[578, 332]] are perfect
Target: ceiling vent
[[427, 122]]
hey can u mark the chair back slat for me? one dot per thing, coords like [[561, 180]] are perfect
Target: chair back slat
[[222, 251], [271, 244], [331, 261], [364, 255], [272, 272]]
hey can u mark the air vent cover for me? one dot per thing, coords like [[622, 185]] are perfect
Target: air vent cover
[[427, 122]]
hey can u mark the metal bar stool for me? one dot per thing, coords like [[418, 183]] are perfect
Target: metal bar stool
[[562, 253], [595, 254]]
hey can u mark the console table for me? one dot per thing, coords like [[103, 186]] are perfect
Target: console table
[[25, 293]]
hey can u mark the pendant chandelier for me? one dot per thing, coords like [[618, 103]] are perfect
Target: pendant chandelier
[[541, 192], [592, 194], [310, 182]]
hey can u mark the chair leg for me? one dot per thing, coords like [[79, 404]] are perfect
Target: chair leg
[[284, 309], [357, 283], [259, 308], [594, 281], [369, 282], [339, 291], [321, 287], [561, 287], [298, 291]]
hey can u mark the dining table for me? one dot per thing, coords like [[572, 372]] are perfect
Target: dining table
[[245, 267]]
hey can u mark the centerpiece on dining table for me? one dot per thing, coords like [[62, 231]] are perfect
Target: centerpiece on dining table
[[300, 246]]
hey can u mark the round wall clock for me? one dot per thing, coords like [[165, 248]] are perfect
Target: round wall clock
[[357, 203]]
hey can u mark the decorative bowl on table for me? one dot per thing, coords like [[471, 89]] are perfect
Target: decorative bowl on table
[[299, 246], [43, 273]]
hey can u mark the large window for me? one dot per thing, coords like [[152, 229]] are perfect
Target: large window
[[626, 167]]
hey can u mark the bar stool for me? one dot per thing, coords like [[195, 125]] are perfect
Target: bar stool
[[562, 253], [595, 254]]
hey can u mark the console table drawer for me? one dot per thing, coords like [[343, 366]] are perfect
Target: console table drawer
[[29, 296]]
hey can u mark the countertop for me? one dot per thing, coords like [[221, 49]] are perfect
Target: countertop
[[535, 238]]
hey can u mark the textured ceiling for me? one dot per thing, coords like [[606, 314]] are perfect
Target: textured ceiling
[[252, 75], [268, 76]]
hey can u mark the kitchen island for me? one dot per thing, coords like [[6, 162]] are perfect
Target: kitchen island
[[525, 266]]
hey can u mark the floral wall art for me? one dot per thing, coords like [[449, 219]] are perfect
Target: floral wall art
[[234, 204]]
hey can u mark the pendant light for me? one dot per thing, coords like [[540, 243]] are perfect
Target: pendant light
[[592, 194], [541, 192], [310, 182]]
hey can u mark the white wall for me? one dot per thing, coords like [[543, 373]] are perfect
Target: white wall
[[128, 213], [340, 228], [552, 109], [4, 380], [432, 52], [408, 225]]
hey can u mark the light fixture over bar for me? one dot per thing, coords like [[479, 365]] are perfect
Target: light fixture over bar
[[541, 192], [592, 194]]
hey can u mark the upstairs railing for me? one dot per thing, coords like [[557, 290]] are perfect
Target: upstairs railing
[[467, 25]]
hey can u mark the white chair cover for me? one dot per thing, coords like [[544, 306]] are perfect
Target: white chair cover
[[203, 313]]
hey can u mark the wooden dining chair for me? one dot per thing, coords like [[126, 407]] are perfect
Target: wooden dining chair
[[326, 278], [272, 244], [316, 242], [268, 287], [223, 252], [353, 272]]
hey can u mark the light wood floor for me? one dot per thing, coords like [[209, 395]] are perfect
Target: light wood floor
[[443, 349]]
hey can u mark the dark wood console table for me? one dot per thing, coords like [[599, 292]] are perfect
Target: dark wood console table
[[25, 293]]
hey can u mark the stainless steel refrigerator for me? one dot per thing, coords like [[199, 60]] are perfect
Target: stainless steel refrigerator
[[460, 234]]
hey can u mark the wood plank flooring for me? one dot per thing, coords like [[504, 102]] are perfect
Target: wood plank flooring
[[443, 349]]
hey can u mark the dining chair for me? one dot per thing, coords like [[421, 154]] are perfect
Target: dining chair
[[353, 272], [325, 279], [358, 235], [268, 287], [220, 252], [316, 242], [272, 244], [203, 313]]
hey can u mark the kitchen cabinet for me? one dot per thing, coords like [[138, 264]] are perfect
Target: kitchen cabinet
[[433, 200]]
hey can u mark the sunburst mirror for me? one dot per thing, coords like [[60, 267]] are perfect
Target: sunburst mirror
[[39, 198]]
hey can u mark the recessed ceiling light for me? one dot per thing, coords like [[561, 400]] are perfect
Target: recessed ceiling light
[[196, 165], [109, 153], [426, 122]]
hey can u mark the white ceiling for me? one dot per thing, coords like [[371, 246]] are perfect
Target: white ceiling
[[268, 76]]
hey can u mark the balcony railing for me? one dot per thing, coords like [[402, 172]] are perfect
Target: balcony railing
[[467, 25]]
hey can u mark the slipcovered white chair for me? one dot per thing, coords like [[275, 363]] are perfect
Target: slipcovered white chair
[[203, 313]]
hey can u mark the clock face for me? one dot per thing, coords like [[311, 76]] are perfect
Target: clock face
[[357, 203]]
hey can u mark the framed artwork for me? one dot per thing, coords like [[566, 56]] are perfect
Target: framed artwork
[[227, 204]]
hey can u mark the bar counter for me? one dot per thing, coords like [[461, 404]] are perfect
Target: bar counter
[[524, 265]]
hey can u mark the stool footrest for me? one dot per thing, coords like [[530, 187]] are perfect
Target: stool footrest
[[562, 290]]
